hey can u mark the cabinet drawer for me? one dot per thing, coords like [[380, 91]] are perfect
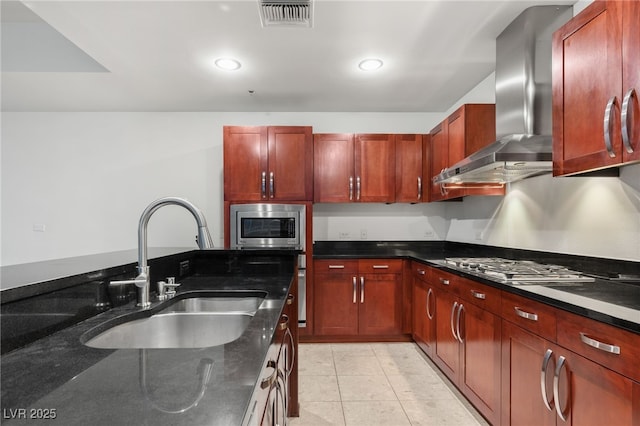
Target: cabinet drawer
[[445, 280], [334, 266], [614, 348], [381, 266], [421, 271], [530, 315], [480, 295]]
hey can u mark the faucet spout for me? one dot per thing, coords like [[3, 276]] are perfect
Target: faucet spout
[[204, 241]]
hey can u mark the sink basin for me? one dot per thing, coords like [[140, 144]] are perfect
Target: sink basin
[[190, 322]]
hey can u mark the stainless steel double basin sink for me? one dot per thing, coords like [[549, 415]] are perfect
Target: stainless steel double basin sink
[[192, 320]]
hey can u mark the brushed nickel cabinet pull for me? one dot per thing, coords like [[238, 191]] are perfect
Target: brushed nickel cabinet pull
[[478, 295], [543, 380], [284, 322], [336, 266], [290, 299], [272, 183], [429, 313], [358, 188], [350, 188], [421, 271], [443, 281], [607, 124], [556, 389], [269, 381], [612, 349], [355, 285], [380, 266], [453, 310], [419, 188], [263, 185], [525, 315], [361, 289], [460, 310], [626, 139]]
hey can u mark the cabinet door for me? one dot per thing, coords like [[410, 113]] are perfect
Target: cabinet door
[[409, 184], [480, 375], [439, 158], [522, 398], [380, 300], [334, 178], [426, 168], [424, 303], [587, 77], [336, 304], [592, 395], [245, 163], [375, 168], [631, 78], [447, 345], [290, 173]]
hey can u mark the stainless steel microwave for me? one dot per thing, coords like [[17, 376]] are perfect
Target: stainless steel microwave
[[267, 226]]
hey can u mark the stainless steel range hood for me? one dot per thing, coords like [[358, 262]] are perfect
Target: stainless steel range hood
[[523, 103]]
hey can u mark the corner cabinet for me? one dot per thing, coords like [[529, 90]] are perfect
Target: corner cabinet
[[354, 168], [268, 163], [358, 297], [596, 84]]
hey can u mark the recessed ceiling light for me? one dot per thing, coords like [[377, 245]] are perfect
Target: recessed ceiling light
[[227, 64], [370, 64]]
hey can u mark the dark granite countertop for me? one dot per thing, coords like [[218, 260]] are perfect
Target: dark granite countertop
[[612, 302], [82, 385]]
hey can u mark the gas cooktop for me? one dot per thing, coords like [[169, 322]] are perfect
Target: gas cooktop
[[515, 271]]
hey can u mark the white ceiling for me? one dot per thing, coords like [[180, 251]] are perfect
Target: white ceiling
[[158, 55]]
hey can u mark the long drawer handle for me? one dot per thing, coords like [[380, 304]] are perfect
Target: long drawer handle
[[607, 124], [478, 295], [350, 188], [453, 310], [525, 315], [460, 310], [293, 351], [380, 266], [444, 281], [355, 285], [556, 389], [612, 349], [429, 313], [543, 380], [626, 140], [269, 381], [336, 266]]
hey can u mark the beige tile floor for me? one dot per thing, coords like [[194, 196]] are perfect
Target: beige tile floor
[[371, 384]]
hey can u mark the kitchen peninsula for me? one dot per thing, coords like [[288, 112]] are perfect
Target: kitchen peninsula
[[58, 378]]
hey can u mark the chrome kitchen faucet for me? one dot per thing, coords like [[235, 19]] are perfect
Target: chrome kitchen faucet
[[203, 239]]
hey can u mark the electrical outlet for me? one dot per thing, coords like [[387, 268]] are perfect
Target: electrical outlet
[[343, 235], [363, 234], [185, 267]]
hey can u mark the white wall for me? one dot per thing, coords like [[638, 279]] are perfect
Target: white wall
[[86, 177]]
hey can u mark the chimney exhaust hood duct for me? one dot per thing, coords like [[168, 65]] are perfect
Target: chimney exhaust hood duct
[[523, 103]]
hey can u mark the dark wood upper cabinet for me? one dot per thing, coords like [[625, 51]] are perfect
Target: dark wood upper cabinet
[[409, 178], [595, 88], [468, 129], [268, 163], [354, 168]]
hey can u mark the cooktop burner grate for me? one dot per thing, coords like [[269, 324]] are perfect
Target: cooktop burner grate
[[507, 270]]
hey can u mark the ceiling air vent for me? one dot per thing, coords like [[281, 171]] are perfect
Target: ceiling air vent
[[286, 13]]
